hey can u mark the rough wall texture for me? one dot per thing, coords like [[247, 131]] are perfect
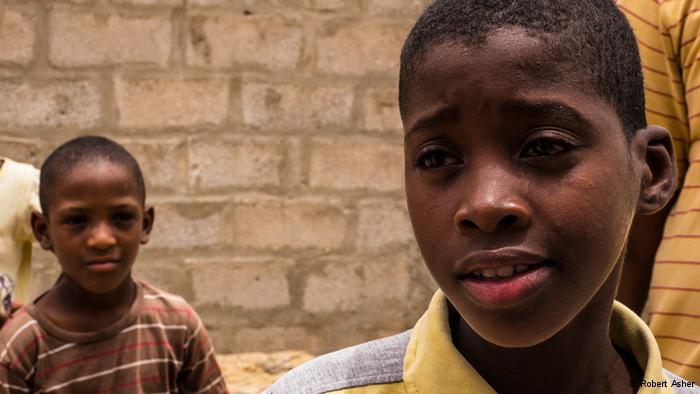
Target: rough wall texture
[[269, 134]]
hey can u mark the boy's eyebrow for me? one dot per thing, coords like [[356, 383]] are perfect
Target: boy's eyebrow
[[554, 110], [436, 118]]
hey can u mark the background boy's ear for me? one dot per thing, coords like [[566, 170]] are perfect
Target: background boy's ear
[[149, 215], [40, 228], [657, 160]]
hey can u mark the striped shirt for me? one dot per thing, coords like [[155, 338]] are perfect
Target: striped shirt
[[160, 346], [667, 32]]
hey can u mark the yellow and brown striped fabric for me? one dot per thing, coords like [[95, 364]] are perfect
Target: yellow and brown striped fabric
[[161, 346], [668, 36]]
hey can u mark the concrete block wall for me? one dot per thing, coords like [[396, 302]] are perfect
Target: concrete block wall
[[269, 134]]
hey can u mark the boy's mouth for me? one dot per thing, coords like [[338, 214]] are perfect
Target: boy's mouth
[[102, 265], [503, 278], [503, 272]]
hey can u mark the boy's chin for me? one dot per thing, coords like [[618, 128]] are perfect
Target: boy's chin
[[515, 332], [515, 340], [99, 287]]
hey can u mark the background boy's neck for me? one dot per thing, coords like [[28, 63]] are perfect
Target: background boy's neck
[[72, 308]]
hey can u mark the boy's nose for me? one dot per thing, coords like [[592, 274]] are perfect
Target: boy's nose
[[101, 236], [493, 205]]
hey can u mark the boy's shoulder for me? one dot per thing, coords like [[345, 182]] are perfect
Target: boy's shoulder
[[166, 307], [22, 325], [19, 339], [370, 363]]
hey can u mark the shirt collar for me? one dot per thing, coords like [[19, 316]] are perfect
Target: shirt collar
[[433, 365]]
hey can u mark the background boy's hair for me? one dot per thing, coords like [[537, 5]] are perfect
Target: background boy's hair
[[590, 38], [90, 149]]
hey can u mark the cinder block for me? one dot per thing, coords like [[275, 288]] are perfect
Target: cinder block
[[347, 164], [244, 283], [269, 339], [334, 5], [227, 40], [171, 102], [16, 36], [158, 161], [166, 274], [381, 111], [80, 38], [162, 3], [394, 8], [49, 103], [360, 48], [25, 151], [345, 285], [278, 223], [254, 6], [216, 164], [383, 224], [186, 226], [290, 107]]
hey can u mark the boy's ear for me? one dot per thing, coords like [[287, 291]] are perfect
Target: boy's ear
[[148, 217], [40, 228], [657, 162]]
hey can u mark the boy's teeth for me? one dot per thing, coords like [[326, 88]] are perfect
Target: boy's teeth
[[505, 271], [502, 272]]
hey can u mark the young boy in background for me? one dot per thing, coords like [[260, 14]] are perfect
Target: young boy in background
[[98, 330], [527, 155], [19, 187]]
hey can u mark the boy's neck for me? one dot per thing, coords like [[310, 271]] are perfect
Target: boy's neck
[[579, 359], [72, 308]]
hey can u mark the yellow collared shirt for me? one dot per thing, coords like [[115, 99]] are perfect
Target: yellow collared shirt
[[431, 364]]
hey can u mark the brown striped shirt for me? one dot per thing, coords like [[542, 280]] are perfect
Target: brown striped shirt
[[667, 32], [160, 346]]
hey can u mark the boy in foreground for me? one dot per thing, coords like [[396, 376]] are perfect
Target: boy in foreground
[[98, 330], [527, 155]]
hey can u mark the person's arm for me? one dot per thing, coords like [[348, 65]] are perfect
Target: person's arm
[[670, 68], [200, 372], [11, 383], [644, 239], [4, 317]]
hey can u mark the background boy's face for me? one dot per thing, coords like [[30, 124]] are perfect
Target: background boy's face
[[520, 187], [96, 223]]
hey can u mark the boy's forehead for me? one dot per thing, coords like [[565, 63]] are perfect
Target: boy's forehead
[[507, 52], [510, 63], [94, 178]]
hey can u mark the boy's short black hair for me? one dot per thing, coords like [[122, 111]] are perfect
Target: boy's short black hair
[[81, 150], [591, 37]]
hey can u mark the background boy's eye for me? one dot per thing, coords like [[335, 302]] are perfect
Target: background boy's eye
[[74, 220], [435, 159], [546, 147], [123, 217]]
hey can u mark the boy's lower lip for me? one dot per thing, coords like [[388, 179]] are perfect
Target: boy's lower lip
[[505, 292], [105, 266]]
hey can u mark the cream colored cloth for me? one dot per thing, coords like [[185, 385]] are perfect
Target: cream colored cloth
[[19, 186]]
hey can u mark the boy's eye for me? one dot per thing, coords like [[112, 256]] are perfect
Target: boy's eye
[[74, 220], [123, 217], [436, 158], [545, 147]]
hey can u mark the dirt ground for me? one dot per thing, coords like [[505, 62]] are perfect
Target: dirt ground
[[249, 373]]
